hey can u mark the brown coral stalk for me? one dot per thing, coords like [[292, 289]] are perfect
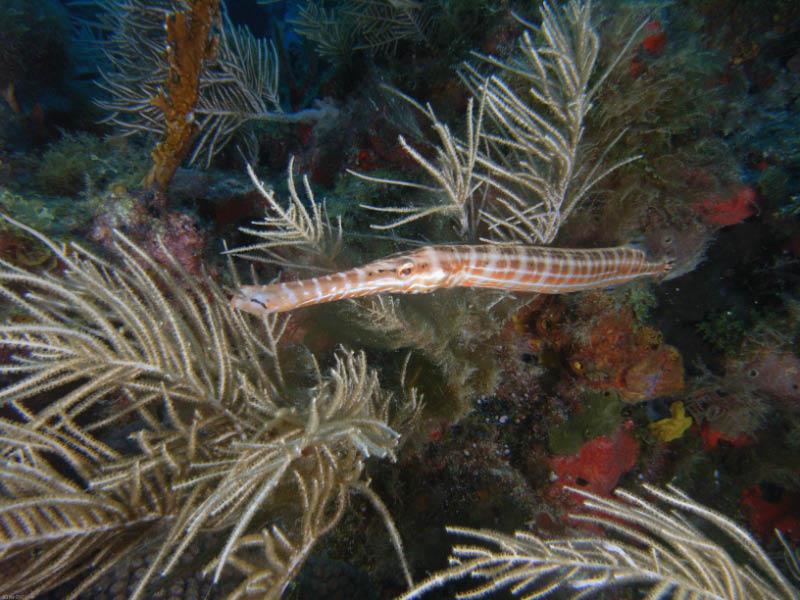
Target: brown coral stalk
[[190, 42]]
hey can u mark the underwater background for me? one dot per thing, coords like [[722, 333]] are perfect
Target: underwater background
[[158, 157]]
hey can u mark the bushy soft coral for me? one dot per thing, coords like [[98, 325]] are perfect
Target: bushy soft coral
[[669, 100]]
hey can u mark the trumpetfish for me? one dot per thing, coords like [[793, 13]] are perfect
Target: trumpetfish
[[538, 269]]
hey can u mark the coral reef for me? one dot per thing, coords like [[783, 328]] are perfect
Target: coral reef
[[598, 415], [772, 371], [157, 442]]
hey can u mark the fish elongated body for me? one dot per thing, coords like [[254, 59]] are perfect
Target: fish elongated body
[[538, 269]]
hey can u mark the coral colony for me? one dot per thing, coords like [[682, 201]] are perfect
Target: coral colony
[[398, 299]]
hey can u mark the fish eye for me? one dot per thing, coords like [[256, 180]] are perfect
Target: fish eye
[[405, 269], [667, 240], [753, 373]]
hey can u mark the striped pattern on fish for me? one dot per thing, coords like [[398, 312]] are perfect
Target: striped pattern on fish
[[514, 268]]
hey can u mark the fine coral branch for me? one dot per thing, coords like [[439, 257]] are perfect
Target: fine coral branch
[[136, 346], [523, 164], [292, 230], [647, 543]]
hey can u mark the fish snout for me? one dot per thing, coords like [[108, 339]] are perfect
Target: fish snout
[[252, 299]]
